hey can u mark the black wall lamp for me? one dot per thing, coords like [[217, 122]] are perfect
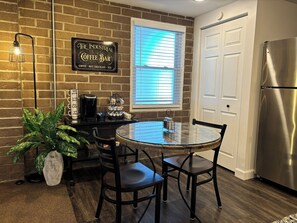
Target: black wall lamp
[[16, 55]]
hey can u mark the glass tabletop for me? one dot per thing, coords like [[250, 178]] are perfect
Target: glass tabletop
[[184, 135]]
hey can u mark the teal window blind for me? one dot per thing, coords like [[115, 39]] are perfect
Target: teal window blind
[[157, 67]]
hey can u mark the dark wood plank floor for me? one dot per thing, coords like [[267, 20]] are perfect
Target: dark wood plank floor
[[250, 201]]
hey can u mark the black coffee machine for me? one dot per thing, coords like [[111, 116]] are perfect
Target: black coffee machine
[[88, 109]]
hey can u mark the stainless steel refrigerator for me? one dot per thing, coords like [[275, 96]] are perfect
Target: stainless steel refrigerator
[[277, 135]]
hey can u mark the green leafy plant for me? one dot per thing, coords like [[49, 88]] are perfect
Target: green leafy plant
[[47, 133]]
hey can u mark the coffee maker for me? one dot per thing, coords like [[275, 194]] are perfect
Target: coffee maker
[[88, 107]]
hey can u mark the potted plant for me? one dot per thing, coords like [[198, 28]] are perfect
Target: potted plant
[[52, 138]]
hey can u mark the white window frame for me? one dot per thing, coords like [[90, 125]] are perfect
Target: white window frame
[[164, 26]]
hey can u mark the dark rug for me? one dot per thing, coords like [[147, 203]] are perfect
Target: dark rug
[[288, 219], [34, 203]]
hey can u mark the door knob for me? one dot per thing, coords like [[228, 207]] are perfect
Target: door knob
[[228, 106]]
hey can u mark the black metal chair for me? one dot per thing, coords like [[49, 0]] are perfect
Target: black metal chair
[[193, 167], [123, 151], [119, 179]]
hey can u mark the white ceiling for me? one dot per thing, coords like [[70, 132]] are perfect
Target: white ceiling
[[179, 7]]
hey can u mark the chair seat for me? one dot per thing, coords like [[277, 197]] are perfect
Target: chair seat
[[134, 176], [193, 166]]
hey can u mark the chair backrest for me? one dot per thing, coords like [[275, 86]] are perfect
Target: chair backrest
[[222, 132], [108, 155]]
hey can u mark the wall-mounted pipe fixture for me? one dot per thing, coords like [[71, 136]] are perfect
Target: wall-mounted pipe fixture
[[54, 52]]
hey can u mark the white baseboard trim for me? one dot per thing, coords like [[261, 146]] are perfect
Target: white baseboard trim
[[245, 175]]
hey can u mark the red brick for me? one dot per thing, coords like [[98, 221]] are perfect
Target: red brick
[[46, 6], [86, 22], [9, 85], [110, 25], [169, 19], [185, 22], [64, 18], [76, 78], [44, 24], [151, 16], [86, 5], [100, 79], [66, 86], [121, 19], [65, 2], [75, 11], [11, 132], [64, 69], [64, 35], [89, 87], [100, 31], [121, 80], [100, 15], [34, 13], [35, 31], [76, 28], [10, 95], [45, 94], [131, 12], [8, 26], [8, 7], [14, 103], [111, 9], [26, 4], [112, 87], [121, 34], [10, 112], [8, 17]]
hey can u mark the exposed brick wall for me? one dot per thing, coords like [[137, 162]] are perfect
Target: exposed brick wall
[[91, 19], [10, 91]]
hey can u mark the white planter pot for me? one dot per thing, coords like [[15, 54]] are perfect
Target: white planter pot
[[53, 168]]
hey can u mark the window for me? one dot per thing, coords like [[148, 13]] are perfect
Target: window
[[157, 65]]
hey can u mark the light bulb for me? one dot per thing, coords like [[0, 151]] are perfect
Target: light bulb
[[17, 51]]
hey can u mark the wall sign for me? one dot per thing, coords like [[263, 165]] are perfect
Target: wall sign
[[94, 55]]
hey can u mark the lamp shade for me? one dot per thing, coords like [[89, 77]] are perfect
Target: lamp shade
[[16, 53]]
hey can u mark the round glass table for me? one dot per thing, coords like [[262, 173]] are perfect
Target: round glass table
[[151, 134]]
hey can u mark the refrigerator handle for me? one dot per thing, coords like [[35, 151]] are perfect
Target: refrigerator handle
[[264, 63]]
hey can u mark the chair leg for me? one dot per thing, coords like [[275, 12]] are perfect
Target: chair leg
[[135, 197], [215, 184], [188, 182], [193, 196], [188, 177], [165, 173], [100, 203], [125, 156], [118, 207], [158, 203], [118, 212], [136, 155]]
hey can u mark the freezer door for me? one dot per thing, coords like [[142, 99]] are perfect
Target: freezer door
[[280, 63], [277, 137]]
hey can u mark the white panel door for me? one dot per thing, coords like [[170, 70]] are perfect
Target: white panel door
[[226, 87], [209, 75], [233, 41]]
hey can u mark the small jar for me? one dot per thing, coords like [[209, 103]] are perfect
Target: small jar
[[168, 123]]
